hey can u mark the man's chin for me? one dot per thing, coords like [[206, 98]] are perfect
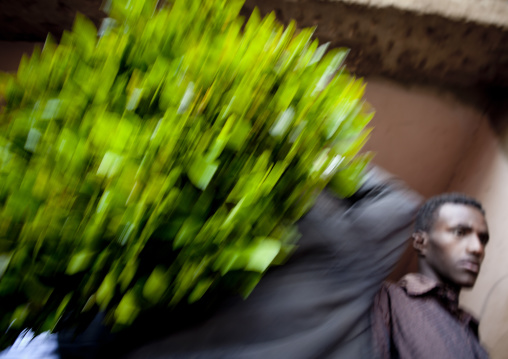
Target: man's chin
[[467, 280], [467, 285]]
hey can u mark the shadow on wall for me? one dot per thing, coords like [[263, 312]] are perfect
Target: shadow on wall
[[498, 110], [12, 53], [408, 263], [495, 319]]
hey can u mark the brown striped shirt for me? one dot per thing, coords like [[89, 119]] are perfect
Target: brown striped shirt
[[418, 318]]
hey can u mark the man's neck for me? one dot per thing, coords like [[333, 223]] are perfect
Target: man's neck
[[428, 272]]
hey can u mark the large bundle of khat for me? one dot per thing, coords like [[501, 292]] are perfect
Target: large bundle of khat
[[162, 156]]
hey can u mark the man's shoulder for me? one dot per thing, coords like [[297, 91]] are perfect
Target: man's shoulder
[[390, 288], [409, 287], [387, 293]]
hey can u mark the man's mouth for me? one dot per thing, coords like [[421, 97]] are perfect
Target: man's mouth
[[470, 266]]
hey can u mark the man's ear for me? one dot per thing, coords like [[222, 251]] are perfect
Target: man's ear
[[420, 242]]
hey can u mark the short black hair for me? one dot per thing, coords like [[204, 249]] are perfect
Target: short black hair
[[426, 215]]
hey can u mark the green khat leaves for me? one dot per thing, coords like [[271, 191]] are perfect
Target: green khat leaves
[[163, 156]]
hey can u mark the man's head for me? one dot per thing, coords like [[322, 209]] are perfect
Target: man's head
[[450, 237]]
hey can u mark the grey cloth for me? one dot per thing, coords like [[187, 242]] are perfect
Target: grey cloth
[[316, 305]]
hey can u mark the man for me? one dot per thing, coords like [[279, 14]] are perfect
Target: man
[[419, 316]]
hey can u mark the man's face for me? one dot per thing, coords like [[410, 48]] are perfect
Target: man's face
[[456, 244]]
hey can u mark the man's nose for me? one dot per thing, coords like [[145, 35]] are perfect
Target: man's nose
[[475, 245]]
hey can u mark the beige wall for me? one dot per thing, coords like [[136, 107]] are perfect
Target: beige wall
[[483, 173], [419, 134]]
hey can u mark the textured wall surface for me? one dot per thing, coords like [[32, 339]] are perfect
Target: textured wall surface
[[457, 43], [404, 42]]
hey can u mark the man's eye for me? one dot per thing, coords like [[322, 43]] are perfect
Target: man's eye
[[459, 232]]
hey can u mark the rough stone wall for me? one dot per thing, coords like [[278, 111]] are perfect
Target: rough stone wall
[[453, 43], [405, 45], [489, 12]]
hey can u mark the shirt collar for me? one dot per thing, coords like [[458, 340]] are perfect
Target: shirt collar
[[417, 284]]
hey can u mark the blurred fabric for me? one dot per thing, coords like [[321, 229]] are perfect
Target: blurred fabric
[[316, 305]]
